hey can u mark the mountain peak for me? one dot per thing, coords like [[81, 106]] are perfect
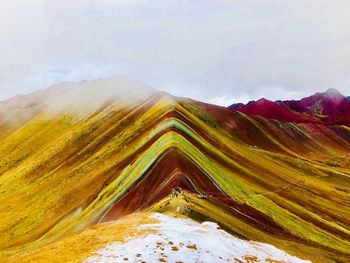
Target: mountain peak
[[333, 92], [261, 101]]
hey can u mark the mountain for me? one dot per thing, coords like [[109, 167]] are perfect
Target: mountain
[[328, 108], [89, 169], [273, 110]]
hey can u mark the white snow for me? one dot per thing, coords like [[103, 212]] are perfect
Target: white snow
[[184, 240]]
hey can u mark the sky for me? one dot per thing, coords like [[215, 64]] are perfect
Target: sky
[[217, 51]]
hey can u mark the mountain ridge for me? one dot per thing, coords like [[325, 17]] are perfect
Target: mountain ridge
[[327, 108]]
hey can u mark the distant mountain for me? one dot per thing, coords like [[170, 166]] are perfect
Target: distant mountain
[[328, 108]]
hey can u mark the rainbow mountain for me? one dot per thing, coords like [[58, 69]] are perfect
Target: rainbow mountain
[[91, 169]]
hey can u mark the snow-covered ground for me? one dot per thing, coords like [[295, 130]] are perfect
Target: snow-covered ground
[[184, 240]]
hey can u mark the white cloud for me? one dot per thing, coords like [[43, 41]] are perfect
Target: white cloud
[[205, 49], [224, 100]]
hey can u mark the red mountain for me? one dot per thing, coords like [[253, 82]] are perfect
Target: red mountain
[[328, 108]]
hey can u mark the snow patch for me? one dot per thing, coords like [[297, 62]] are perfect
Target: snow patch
[[184, 240]]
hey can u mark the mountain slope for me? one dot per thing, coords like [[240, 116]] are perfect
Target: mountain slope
[[65, 169], [159, 238]]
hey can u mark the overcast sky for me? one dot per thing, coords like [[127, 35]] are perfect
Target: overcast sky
[[216, 51]]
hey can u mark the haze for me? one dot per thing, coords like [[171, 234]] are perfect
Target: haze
[[216, 51]]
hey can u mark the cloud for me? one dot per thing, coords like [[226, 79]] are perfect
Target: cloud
[[203, 49], [225, 101]]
